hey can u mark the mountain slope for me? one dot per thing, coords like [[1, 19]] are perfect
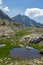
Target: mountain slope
[[4, 16], [26, 21]]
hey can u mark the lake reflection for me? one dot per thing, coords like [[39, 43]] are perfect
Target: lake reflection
[[23, 53]]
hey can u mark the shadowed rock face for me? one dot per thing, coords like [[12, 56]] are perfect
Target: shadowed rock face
[[36, 40], [41, 52], [4, 16]]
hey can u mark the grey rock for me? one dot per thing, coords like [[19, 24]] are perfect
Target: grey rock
[[33, 38]]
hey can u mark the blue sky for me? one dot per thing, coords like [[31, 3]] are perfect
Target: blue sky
[[30, 8]]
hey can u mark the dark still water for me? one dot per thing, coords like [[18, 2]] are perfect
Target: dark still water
[[23, 53]]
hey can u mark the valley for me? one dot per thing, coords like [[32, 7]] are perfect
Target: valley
[[16, 36]]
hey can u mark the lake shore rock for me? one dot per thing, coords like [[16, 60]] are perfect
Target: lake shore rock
[[33, 38], [41, 52]]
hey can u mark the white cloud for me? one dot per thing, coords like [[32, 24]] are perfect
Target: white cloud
[[0, 2], [34, 12], [3, 8], [6, 9]]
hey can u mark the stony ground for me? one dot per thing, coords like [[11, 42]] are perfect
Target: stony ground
[[9, 61], [4, 30], [15, 38]]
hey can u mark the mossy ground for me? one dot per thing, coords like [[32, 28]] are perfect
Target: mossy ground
[[13, 42]]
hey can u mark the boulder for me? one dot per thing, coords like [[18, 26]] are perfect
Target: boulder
[[33, 38], [41, 52], [36, 40]]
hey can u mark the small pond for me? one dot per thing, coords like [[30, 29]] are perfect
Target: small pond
[[1, 45], [23, 53]]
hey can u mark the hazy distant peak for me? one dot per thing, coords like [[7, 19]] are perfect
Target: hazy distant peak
[[26, 21]]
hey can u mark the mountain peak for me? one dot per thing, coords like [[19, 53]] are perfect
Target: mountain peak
[[26, 21], [19, 14]]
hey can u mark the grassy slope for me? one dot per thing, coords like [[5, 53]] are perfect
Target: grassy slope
[[37, 46], [4, 51], [14, 39], [8, 40], [28, 31]]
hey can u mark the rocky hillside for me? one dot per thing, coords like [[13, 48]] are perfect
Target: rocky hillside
[[33, 38], [26, 21], [7, 26], [4, 16]]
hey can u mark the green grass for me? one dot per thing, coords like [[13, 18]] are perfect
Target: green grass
[[22, 32], [4, 51], [37, 46]]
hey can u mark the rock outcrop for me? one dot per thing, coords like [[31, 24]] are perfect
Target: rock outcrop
[[33, 38]]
